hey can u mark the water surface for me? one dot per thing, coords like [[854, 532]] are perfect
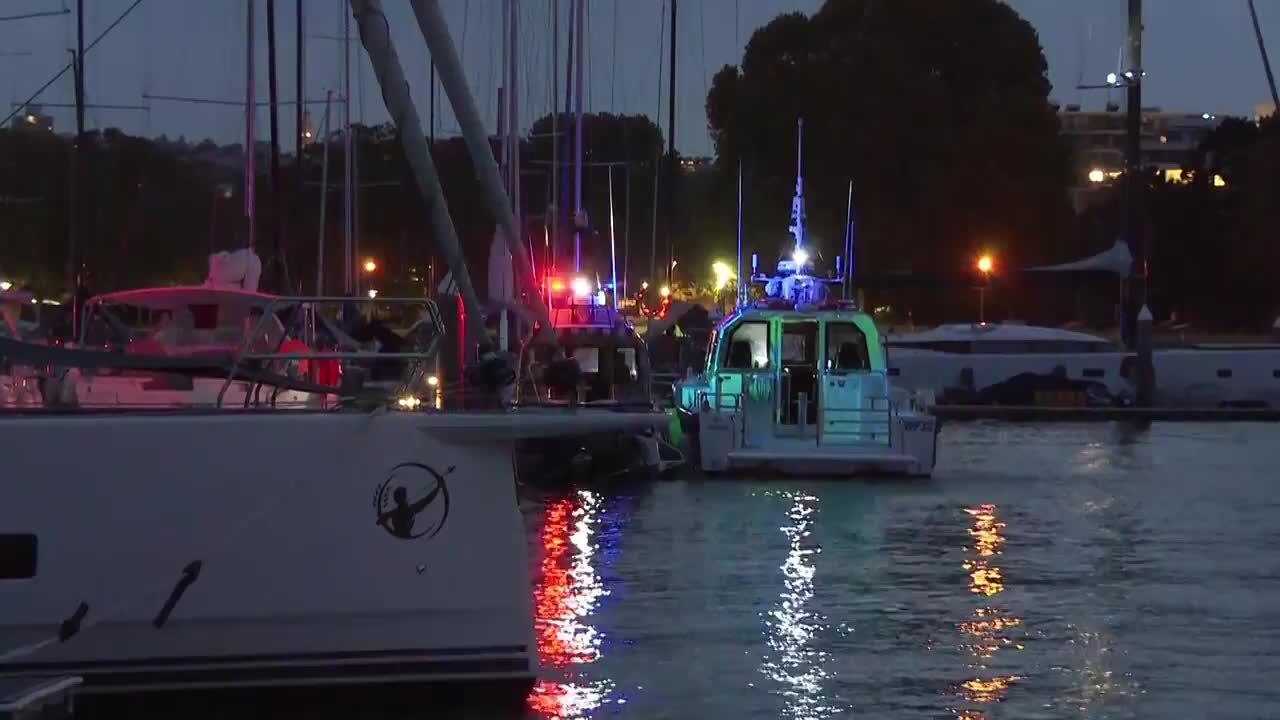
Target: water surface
[[1044, 572]]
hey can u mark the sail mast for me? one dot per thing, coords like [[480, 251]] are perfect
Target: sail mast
[[250, 143]]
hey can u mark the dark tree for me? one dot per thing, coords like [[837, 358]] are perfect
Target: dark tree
[[937, 109]]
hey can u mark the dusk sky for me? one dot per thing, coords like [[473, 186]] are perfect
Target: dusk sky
[[1200, 56]]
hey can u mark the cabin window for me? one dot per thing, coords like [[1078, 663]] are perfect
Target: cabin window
[[17, 556], [1224, 373], [846, 348], [747, 347], [588, 359], [1094, 373]]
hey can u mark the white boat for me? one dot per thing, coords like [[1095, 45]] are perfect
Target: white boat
[[223, 551], [19, 383], [208, 549], [797, 383], [965, 360], [804, 390]]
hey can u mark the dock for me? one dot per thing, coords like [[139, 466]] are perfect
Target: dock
[[1040, 414]]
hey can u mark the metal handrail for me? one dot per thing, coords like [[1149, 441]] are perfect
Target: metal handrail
[[309, 302]]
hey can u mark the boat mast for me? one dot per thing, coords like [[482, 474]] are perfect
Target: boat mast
[[250, 144], [277, 190], [513, 122], [671, 148], [797, 203], [300, 139], [568, 109], [555, 135], [1137, 314], [1266, 60], [349, 260], [435, 31], [579, 217], [848, 246], [376, 36], [324, 195], [75, 268], [738, 289]]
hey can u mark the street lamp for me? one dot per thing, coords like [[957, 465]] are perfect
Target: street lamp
[[985, 266], [722, 273], [370, 265]]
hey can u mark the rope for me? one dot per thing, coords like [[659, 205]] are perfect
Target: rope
[[67, 67]]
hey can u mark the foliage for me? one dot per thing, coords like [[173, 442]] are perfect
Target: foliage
[[938, 110]]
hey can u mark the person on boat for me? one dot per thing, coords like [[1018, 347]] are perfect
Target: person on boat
[[399, 520]]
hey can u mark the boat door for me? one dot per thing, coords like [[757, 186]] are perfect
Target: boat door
[[798, 378], [855, 397], [743, 373]]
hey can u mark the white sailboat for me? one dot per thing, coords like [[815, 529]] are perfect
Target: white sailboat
[[263, 553]]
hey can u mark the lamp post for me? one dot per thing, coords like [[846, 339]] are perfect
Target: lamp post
[[985, 266]]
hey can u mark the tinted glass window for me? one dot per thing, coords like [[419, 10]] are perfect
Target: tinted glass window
[[846, 348]]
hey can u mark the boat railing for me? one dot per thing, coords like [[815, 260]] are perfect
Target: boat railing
[[868, 424], [306, 326]]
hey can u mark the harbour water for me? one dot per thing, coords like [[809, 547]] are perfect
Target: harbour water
[[1059, 571]]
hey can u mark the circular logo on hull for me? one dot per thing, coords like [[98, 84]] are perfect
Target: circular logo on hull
[[413, 502]]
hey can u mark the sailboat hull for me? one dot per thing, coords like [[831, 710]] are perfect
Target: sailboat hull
[[307, 573]]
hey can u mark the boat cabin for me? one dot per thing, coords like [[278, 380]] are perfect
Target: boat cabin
[[807, 371], [177, 321], [610, 354]]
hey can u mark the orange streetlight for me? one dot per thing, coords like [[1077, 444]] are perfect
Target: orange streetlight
[[370, 265], [985, 266]]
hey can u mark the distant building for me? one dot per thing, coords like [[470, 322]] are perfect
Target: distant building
[[32, 117], [1097, 139]]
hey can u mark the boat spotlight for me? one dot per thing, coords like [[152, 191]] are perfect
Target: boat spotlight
[[581, 287], [665, 291], [432, 380], [5, 285], [801, 256]]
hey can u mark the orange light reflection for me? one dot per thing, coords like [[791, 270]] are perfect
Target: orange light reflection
[[986, 628]]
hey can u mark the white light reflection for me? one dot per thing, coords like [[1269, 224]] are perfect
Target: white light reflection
[[790, 627], [564, 600]]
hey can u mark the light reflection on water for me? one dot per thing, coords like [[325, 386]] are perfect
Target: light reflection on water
[[1043, 573], [565, 598], [985, 629], [792, 625]]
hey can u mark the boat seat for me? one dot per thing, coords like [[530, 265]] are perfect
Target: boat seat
[[740, 355], [851, 356]]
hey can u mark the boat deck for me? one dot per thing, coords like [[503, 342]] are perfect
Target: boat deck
[[802, 456], [1038, 414]]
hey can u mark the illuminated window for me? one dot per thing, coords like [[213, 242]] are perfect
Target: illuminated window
[[748, 347]]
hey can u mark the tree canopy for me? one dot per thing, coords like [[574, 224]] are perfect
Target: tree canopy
[[939, 112]]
